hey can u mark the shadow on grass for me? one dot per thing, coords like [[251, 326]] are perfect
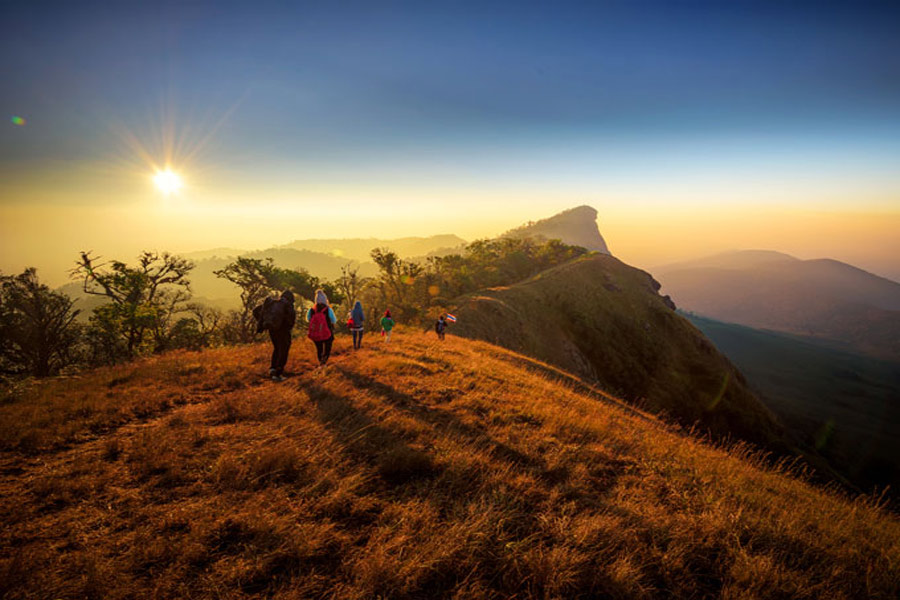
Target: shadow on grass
[[443, 420], [395, 461], [574, 382], [589, 490]]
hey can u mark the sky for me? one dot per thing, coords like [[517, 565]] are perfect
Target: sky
[[691, 127]]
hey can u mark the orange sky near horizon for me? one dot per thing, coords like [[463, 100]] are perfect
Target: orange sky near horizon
[[49, 237]]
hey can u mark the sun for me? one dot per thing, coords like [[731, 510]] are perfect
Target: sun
[[167, 181]]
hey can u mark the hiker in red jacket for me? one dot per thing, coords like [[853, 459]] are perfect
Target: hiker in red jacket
[[321, 326]]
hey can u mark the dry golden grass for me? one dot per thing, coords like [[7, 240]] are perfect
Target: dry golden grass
[[419, 470]]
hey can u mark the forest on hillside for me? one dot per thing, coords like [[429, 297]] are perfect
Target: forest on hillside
[[147, 306]]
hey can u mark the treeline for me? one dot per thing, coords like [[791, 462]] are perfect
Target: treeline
[[148, 309], [418, 292]]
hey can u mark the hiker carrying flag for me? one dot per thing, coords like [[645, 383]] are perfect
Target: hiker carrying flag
[[440, 326]]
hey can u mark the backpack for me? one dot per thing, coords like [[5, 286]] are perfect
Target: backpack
[[319, 327], [271, 315]]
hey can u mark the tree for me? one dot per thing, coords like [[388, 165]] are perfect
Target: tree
[[169, 304], [417, 291], [37, 329], [210, 322], [202, 329], [397, 277], [104, 343], [259, 278], [350, 284], [142, 298], [303, 285], [389, 273]]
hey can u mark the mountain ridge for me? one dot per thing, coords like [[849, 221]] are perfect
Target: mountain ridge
[[605, 321], [576, 226]]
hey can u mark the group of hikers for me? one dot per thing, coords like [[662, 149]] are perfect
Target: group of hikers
[[278, 317]]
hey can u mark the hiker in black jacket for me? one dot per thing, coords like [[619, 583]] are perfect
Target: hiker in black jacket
[[440, 327], [278, 317]]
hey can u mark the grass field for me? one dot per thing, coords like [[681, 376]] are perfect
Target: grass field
[[418, 470]]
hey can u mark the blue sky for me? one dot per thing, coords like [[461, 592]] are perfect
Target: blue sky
[[370, 81], [286, 102]]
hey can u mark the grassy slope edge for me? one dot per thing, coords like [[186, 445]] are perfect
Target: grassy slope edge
[[605, 321], [422, 470]]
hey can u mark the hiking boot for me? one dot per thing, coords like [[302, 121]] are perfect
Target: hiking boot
[[277, 378]]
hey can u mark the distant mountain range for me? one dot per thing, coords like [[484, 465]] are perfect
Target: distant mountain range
[[205, 284], [322, 258], [359, 249], [822, 298]]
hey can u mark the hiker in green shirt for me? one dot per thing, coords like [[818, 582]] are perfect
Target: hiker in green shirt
[[387, 324]]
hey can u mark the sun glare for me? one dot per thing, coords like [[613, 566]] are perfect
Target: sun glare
[[167, 182]]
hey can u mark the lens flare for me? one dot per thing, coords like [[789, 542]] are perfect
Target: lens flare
[[17, 120], [167, 182]]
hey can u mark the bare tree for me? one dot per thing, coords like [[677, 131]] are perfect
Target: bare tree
[[349, 284], [140, 296], [209, 321]]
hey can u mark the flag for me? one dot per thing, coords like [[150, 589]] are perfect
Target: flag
[[451, 318]]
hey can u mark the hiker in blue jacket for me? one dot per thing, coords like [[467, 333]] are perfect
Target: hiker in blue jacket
[[321, 326], [357, 316]]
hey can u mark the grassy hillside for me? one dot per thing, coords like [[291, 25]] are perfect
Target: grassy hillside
[[422, 470], [846, 405], [604, 320]]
